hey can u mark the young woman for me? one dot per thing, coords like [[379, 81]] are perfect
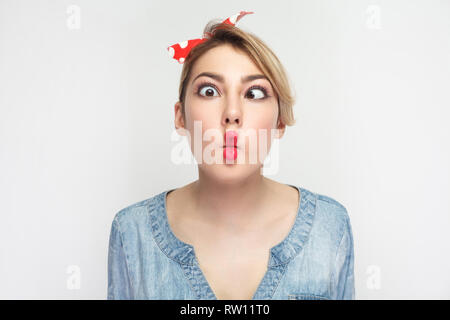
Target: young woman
[[233, 233]]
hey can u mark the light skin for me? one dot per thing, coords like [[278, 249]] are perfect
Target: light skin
[[232, 199]]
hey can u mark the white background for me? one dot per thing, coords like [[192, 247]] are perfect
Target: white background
[[86, 116]]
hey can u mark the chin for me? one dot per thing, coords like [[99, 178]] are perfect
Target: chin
[[229, 173]]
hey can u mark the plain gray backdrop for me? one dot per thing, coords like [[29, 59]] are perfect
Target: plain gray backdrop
[[87, 92]]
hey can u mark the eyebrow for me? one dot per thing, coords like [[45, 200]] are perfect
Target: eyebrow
[[220, 78]]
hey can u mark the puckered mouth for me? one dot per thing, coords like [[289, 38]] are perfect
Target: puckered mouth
[[230, 139]]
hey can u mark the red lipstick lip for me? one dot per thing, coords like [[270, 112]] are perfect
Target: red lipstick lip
[[230, 139]]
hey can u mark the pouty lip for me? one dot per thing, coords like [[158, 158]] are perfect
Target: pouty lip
[[231, 135]]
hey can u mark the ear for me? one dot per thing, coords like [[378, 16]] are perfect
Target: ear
[[281, 127], [179, 122]]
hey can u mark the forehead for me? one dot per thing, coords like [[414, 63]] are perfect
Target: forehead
[[226, 60]]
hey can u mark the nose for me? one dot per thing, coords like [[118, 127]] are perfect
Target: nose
[[232, 119], [232, 114]]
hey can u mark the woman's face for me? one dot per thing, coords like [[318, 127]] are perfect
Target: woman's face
[[217, 100]]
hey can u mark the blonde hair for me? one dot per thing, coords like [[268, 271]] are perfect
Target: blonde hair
[[259, 53]]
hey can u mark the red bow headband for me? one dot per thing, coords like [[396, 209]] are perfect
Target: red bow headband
[[179, 51]]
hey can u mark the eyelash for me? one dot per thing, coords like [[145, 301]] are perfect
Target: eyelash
[[206, 83]]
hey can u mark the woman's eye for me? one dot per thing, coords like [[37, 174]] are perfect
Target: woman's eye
[[209, 92], [257, 96], [254, 93]]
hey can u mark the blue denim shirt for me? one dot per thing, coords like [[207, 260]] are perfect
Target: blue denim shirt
[[315, 260]]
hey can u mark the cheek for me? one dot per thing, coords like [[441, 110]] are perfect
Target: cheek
[[201, 114], [264, 119], [262, 122], [199, 119]]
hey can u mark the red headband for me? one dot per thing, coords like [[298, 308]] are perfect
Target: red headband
[[179, 51]]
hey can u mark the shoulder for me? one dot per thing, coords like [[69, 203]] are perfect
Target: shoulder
[[329, 206], [330, 216], [137, 213]]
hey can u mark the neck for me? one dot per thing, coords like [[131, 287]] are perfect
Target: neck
[[235, 205]]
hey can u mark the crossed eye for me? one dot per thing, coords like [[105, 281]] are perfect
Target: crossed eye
[[211, 89]]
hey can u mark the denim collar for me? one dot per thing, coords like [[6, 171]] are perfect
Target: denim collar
[[280, 254]]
